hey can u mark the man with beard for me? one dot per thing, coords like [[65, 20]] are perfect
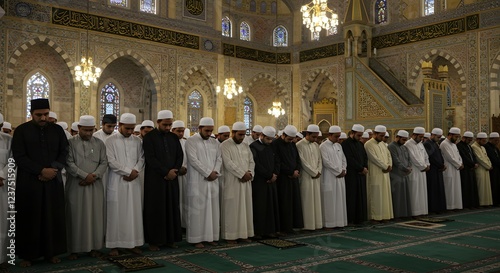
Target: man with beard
[[266, 219], [436, 197], [483, 171], [355, 180], [494, 156], [418, 179], [40, 149], [468, 179], [400, 179], [451, 176], [108, 127], [254, 136]]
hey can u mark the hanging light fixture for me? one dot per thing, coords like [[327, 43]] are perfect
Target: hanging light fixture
[[276, 110], [317, 16], [231, 88], [86, 72]]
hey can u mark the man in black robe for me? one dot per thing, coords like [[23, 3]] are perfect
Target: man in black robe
[[163, 155], [40, 149], [470, 195], [436, 197], [494, 156], [266, 219], [355, 180], [289, 200]]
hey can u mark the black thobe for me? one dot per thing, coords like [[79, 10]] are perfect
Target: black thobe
[[161, 215], [266, 218], [40, 218], [355, 182], [470, 194], [289, 201], [436, 196], [494, 156]]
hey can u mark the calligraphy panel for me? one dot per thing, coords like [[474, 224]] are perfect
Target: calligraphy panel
[[195, 9], [256, 55], [321, 52]]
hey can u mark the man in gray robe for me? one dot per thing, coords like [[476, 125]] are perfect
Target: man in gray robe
[[87, 163], [399, 175]]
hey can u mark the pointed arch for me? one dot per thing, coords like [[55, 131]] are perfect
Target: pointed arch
[[280, 36], [109, 98], [195, 108], [209, 88], [248, 111], [245, 31], [227, 30], [37, 85]]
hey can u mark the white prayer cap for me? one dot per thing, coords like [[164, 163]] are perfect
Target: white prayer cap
[[206, 121], [300, 135], [358, 128], [419, 130], [343, 136], [178, 124], [1, 118], [437, 131], [313, 128], [52, 115], [258, 129], [365, 135], [386, 134], [147, 123], [443, 137], [334, 129], [239, 126], [63, 124], [223, 129], [164, 114], [7, 125], [85, 120], [403, 133], [468, 134], [454, 130], [268, 131], [320, 134], [74, 126], [137, 128], [280, 132], [427, 135], [379, 129], [481, 135], [494, 134], [290, 130], [369, 131], [128, 118], [187, 133]]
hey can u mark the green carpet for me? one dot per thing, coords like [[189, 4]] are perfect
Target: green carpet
[[471, 242]]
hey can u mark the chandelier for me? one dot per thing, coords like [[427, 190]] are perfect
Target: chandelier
[[276, 110], [86, 72], [230, 89], [317, 16]]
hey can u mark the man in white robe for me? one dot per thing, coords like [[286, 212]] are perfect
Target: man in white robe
[[310, 184], [87, 162], [124, 210], [223, 133], [333, 198], [178, 129], [378, 179], [254, 135], [238, 170], [418, 179], [483, 171], [108, 123], [5, 155], [204, 161], [451, 176]]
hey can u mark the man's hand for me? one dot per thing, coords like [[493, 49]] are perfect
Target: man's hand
[[426, 168], [212, 176], [364, 171], [273, 179], [296, 174], [317, 176], [90, 179], [387, 170], [47, 174], [183, 171], [246, 177], [476, 166], [342, 174], [171, 175], [462, 166]]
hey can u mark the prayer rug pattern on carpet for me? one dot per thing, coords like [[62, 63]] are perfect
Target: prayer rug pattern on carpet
[[280, 243]]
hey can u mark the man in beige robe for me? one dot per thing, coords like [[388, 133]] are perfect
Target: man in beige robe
[[310, 184], [483, 171], [378, 179]]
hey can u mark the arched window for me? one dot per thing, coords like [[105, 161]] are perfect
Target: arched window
[[244, 31], [110, 100], [263, 7], [37, 87], [274, 7], [226, 27], [120, 3], [253, 6], [148, 6], [280, 36], [381, 11], [248, 113], [195, 110], [428, 7]]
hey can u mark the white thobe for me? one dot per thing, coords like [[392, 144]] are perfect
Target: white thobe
[[249, 140], [100, 134], [5, 154], [202, 196], [418, 178], [310, 188], [124, 209], [483, 175], [451, 176], [333, 197], [379, 182], [182, 179], [237, 212]]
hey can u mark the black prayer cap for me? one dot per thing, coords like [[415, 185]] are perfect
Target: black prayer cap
[[39, 104], [108, 118]]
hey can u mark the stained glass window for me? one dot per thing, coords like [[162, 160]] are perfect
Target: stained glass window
[[148, 6], [195, 110], [244, 31], [226, 27], [121, 3], [428, 7], [110, 100], [37, 87], [280, 36], [253, 6], [248, 113], [263, 7], [381, 11], [274, 8]]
